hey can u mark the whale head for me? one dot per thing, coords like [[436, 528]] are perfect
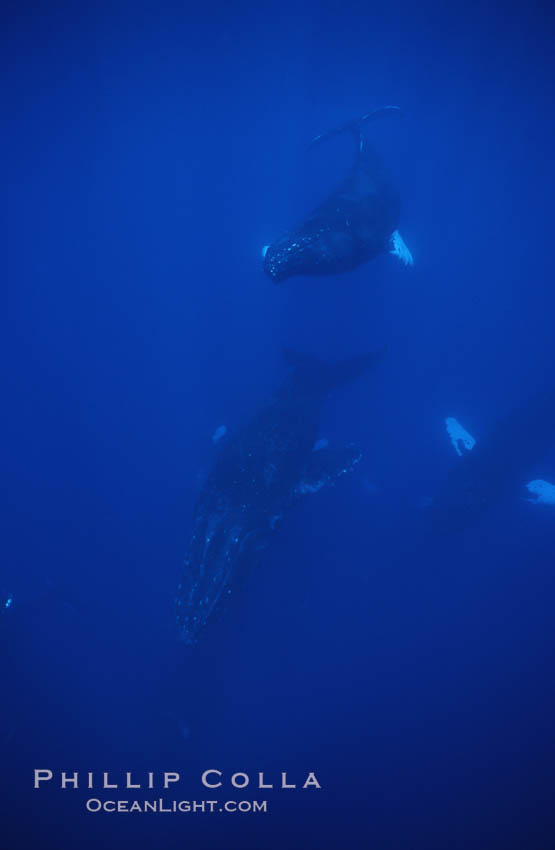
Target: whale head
[[222, 548], [313, 250]]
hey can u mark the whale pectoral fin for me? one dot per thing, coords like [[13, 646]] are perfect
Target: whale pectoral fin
[[326, 466], [398, 248], [542, 492]]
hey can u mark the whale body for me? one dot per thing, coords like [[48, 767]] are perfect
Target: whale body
[[259, 476], [355, 224]]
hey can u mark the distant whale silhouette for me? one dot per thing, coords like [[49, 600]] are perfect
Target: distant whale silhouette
[[261, 473], [495, 467], [355, 224]]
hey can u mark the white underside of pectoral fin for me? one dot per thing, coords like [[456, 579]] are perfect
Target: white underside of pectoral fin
[[398, 247], [542, 492], [461, 439]]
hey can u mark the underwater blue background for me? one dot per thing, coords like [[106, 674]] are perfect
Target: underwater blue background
[[150, 150]]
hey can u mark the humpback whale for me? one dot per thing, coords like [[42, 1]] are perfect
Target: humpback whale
[[355, 224], [260, 474]]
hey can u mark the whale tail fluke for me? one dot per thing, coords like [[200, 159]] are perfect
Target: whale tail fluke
[[355, 127]]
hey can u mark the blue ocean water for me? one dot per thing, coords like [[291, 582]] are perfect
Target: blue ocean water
[[150, 151]]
